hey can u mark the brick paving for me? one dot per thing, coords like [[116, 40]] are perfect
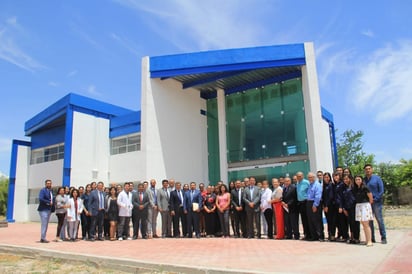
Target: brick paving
[[219, 255]]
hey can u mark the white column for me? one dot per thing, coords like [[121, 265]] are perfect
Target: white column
[[317, 139], [221, 117]]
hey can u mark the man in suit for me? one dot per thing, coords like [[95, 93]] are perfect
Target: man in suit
[[176, 207], [141, 203], [290, 212], [238, 207], [163, 198], [192, 197], [251, 199], [97, 210], [44, 209]]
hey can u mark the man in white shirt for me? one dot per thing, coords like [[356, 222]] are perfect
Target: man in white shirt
[[124, 201]]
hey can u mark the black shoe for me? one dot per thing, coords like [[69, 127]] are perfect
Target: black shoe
[[134, 237], [384, 241], [92, 239], [44, 241], [100, 239]]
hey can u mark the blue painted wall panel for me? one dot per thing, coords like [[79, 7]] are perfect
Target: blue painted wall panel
[[227, 57], [48, 137]]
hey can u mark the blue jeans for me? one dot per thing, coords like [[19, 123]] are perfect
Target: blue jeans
[[377, 211], [44, 218]]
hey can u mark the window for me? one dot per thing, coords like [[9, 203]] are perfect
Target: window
[[47, 154], [125, 144]]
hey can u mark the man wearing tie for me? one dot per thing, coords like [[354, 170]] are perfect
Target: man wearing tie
[[163, 198], [191, 205], [252, 208], [97, 210], [239, 209], [140, 200], [176, 207]]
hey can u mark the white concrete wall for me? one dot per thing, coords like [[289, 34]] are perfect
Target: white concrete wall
[[90, 149], [326, 162], [174, 133], [317, 144], [38, 173], [127, 167], [20, 209]]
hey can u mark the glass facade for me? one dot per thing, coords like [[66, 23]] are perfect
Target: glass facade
[[268, 173], [261, 123], [266, 122], [213, 141]]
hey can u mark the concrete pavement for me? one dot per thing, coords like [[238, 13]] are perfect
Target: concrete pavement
[[217, 255]]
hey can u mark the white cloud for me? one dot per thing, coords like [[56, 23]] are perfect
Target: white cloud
[[368, 33], [210, 24], [5, 144], [384, 81], [126, 43], [53, 84], [72, 73], [91, 89], [11, 52]]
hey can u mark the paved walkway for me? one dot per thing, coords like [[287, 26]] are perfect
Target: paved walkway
[[218, 255]]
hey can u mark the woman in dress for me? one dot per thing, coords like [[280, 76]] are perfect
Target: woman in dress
[[276, 201], [112, 212], [223, 205], [61, 211], [209, 207], [73, 214], [363, 209]]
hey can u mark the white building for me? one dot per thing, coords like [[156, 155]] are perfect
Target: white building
[[206, 116]]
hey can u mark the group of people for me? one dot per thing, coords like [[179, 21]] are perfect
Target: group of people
[[246, 208]]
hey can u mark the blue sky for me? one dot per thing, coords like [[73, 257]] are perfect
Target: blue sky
[[94, 48]]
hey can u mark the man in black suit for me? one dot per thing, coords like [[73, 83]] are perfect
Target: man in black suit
[[97, 210], [141, 202], [191, 205], [238, 207], [252, 207], [290, 211], [176, 207]]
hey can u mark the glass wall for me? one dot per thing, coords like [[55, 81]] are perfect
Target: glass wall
[[266, 122], [268, 173], [213, 141]]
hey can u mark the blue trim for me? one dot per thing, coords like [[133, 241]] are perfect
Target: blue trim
[[68, 139], [80, 103], [227, 57], [264, 82], [212, 78], [12, 178], [328, 117], [230, 67], [126, 124]]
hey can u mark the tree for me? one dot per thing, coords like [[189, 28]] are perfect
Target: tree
[[350, 151], [4, 183], [404, 173]]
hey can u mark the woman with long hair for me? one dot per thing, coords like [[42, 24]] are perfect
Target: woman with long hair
[[223, 205], [329, 206], [73, 214], [349, 209], [276, 201], [112, 213], [61, 211], [363, 209]]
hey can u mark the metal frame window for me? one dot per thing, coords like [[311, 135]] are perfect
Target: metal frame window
[[47, 154], [125, 144]]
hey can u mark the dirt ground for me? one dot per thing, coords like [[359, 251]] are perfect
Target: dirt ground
[[395, 218]]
